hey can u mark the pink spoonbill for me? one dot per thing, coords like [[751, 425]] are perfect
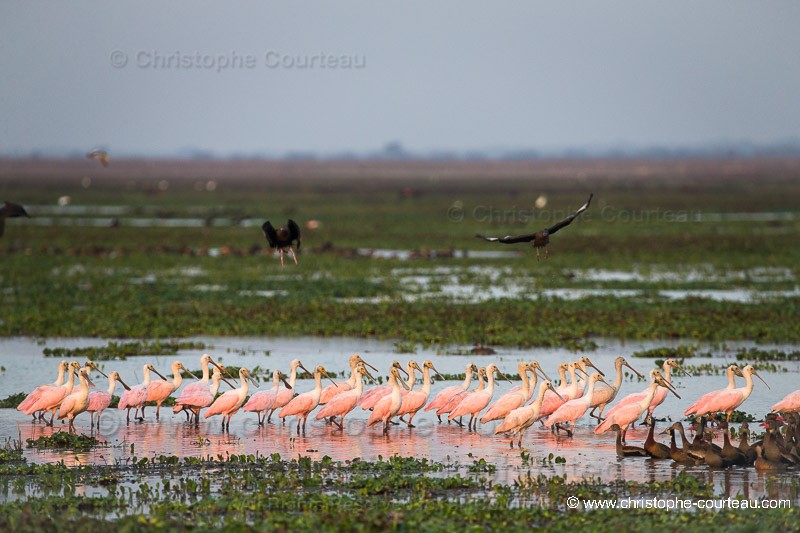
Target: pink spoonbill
[[302, 405], [345, 401], [229, 403]]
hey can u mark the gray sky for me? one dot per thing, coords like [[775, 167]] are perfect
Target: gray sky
[[450, 75]]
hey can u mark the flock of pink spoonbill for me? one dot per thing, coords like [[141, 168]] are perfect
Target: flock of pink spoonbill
[[558, 407]]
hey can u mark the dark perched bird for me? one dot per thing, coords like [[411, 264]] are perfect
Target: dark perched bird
[[282, 238], [100, 155], [10, 210], [542, 237]]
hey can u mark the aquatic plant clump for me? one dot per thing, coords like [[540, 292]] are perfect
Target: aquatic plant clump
[[237, 492]]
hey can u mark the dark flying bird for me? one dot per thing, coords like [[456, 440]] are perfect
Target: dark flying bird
[[282, 238], [541, 238], [100, 155], [10, 210]]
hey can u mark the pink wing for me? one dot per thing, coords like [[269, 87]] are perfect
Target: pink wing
[[380, 410], [724, 401], [790, 403], [550, 403], [133, 398], [159, 390], [370, 398], [340, 405], [412, 402], [284, 396], [98, 400], [33, 397], [453, 402], [332, 390], [200, 399], [302, 404], [624, 416], [504, 405], [443, 397], [49, 399], [572, 410], [224, 404], [471, 404], [261, 401], [636, 397]]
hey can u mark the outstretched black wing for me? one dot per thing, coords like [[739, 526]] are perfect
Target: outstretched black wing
[[509, 239], [270, 234], [569, 219], [11, 210], [294, 232]]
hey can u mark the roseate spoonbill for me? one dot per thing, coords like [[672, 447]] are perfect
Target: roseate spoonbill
[[99, 400], [388, 406], [623, 450], [458, 397], [31, 398], [205, 360], [200, 398], [100, 155], [446, 394], [345, 401], [514, 398], [201, 387], [302, 405], [520, 419], [659, 397], [604, 394], [286, 394], [732, 370], [332, 390], [790, 403], [229, 403], [282, 238], [51, 398], [583, 365], [572, 410], [474, 403], [161, 390], [415, 399], [628, 414], [534, 366], [262, 401], [76, 402], [566, 391], [373, 396], [541, 238], [729, 400], [136, 396], [10, 210], [654, 449]]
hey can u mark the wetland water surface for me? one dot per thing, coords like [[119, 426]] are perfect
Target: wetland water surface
[[586, 455]]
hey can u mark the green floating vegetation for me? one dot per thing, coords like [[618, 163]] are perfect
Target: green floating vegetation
[[254, 493], [122, 350], [62, 440], [12, 401]]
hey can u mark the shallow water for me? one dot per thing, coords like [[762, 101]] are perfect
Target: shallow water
[[587, 455]]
